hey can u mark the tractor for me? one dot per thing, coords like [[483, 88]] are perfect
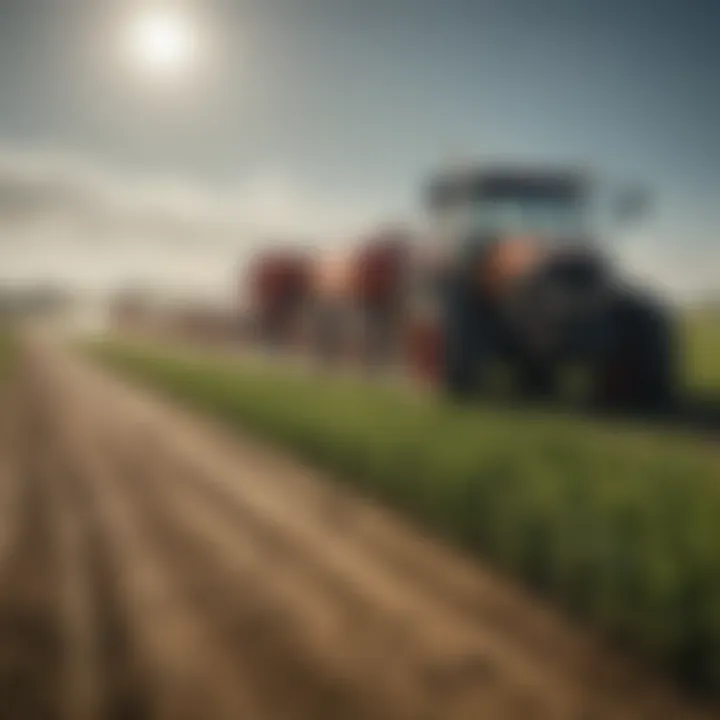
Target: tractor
[[525, 286]]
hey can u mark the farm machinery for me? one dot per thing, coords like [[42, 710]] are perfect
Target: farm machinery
[[278, 289], [336, 305], [524, 284], [508, 276]]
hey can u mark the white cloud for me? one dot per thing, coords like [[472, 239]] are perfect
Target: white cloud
[[678, 258], [63, 217]]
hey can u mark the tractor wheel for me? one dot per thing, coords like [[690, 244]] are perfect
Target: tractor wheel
[[537, 381], [640, 371], [460, 351]]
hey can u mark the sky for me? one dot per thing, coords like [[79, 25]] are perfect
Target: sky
[[319, 118]]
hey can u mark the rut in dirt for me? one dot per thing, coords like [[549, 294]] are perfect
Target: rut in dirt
[[153, 567]]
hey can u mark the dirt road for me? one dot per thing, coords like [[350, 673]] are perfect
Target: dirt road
[[152, 567]]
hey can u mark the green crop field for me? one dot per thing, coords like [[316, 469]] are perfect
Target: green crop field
[[702, 341], [618, 522]]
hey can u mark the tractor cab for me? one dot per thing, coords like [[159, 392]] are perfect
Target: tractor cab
[[522, 282], [497, 226], [498, 203]]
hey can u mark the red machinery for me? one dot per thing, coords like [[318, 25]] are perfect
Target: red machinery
[[279, 283], [348, 301], [378, 269], [358, 299]]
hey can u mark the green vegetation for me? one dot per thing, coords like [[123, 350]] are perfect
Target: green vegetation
[[619, 524], [703, 353]]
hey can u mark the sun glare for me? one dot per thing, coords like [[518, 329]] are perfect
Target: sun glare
[[162, 42]]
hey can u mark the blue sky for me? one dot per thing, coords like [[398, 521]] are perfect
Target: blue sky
[[354, 101]]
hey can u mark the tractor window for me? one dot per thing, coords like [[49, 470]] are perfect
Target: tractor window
[[546, 217]]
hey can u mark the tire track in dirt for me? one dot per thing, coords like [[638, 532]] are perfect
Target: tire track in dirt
[[449, 664], [170, 573], [220, 573], [188, 676], [382, 634], [282, 630], [101, 678], [407, 660], [10, 481], [78, 624], [396, 601], [316, 616], [30, 641], [96, 660]]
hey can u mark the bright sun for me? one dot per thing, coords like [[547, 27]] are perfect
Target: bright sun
[[161, 42]]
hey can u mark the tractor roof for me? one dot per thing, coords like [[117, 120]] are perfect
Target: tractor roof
[[508, 179]]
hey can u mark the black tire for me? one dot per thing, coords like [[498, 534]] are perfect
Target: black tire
[[463, 350], [640, 371], [537, 381]]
